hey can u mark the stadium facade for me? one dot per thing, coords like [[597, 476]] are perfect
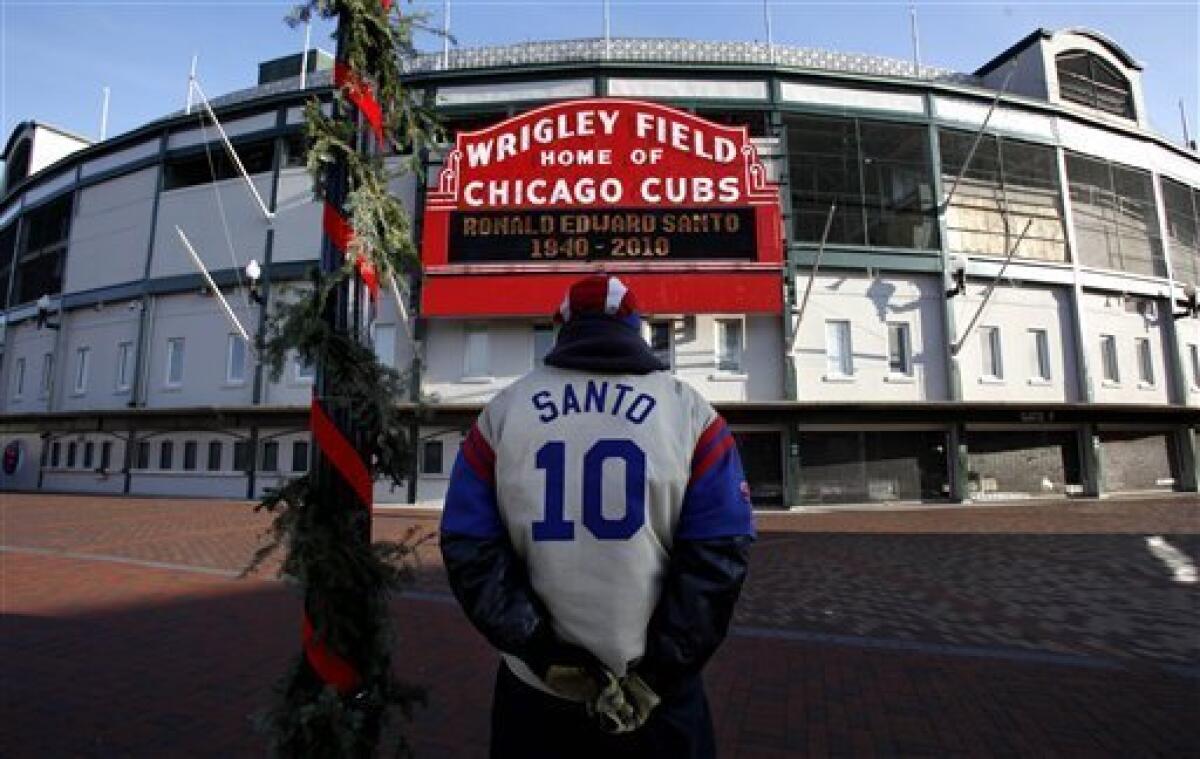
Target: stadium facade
[[909, 357]]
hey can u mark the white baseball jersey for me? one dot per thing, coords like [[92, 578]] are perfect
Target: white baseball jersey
[[592, 478]]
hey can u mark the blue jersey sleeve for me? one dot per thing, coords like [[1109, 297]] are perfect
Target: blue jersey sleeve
[[471, 508], [716, 503]]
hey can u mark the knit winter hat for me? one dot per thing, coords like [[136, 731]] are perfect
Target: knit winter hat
[[599, 295]]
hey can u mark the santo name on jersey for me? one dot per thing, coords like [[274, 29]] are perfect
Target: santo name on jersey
[[596, 396]]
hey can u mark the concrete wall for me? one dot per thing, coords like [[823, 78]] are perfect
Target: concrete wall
[[110, 233], [197, 212], [869, 304], [1126, 319], [25, 342], [1016, 311], [100, 330]]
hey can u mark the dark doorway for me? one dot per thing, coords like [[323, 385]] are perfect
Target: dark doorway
[[762, 458]]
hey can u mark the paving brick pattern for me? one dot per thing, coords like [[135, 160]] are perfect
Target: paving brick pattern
[[932, 647]]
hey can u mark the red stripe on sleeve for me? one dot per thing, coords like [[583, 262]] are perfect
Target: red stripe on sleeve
[[712, 457], [479, 456]]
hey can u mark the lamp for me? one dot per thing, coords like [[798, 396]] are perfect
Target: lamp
[[956, 276], [254, 274], [43, 313], [1191, 303]]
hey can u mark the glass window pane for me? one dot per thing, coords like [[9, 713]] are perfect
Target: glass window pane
[[81, 369], [55, 453], [241, 456], [235, 363], [124, 365], [475, 358], [300, 456], [1145, 361], [106, 455], [993, 357], [384, 343], [1183, 230], [1108, 358], [214, 456], [899, 349], [270, 456], [189, 455], [71, 448], [175, 361], [838, 350], [1041, 354], [89, 453], [729, 345], [543, 342], [166, 455], [431, 457], [897, 185], [823, 167], [660, 341]]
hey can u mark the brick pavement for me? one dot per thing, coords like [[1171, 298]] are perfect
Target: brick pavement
[[103, 658]]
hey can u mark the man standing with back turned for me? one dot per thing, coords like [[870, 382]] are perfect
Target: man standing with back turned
[[596, 531]]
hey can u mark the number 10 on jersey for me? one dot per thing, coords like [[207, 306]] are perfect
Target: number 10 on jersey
[[552, 458]]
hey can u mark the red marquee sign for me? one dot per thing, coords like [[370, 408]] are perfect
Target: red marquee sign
[[679, 206]]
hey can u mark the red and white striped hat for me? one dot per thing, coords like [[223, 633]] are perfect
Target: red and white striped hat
[[598, 294]]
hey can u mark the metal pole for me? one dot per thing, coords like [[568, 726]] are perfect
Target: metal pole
[[213, 285], [445, 34], [979, 137], [237, 161], [812, 277], [104, 115], [770, 31], [608, 32], [991, 288], [1187, 140], [916, 40], [191, 78], [304, 55]]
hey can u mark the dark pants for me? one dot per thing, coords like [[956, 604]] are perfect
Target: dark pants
[[530, 724]]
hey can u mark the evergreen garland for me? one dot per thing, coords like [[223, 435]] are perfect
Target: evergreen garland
[[323, 552]]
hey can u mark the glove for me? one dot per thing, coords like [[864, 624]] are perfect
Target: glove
[[569, 670], [624, 705]]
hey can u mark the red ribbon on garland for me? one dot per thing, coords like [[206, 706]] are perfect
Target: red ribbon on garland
[[341, 454], [329, 666], [341, 234], [361, 95]]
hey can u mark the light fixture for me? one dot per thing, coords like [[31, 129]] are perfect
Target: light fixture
[[43, 313], [1191, 304], [956, 276], [254, 274]]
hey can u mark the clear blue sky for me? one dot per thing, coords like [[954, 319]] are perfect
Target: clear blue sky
[[57, 55]]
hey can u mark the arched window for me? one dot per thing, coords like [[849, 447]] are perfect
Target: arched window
[[1088, 79]]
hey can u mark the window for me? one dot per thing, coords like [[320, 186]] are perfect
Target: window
[[757, 123], [174, 362], [105, 455], [55, 453], [662, 341], [899, 349], [189, 455], [431, 457], [166, 455], [214, 455], [1145, 361], [1194, 355], [47, 374], [39, 268], [729, 345], [19, 378], [1087, 79], [1007, 184], [124, 365], [215, 164], [270, 456], [81, 369], [1041, 354], [839, 357], [880, 175], [305, 371], [241, 456], [89, 454], [385, 344], [1116, 221], [142, 457], [475, 356], [993, 357], [543, 342], [235, 360], [300, 456], [71, 449], [1181, 205], [1108, 359]]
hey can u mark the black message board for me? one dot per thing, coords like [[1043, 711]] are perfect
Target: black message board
[[630, 234]]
